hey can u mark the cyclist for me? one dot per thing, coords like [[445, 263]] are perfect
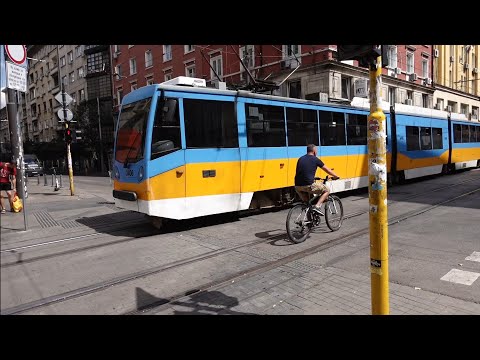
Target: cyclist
[[305, 177]]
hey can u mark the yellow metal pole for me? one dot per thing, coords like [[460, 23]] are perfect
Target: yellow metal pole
[[70, 167], [377, 189]]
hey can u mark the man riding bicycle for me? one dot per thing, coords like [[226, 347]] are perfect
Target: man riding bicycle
[[305, 177]]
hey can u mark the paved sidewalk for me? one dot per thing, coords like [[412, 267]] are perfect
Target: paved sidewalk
[[313, 290]]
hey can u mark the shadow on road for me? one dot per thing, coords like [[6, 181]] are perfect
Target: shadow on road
[[205, 303]]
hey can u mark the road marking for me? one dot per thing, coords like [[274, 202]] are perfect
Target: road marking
[[475, 256], [461, 277]]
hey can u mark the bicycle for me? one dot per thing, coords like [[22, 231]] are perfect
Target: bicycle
[[301, 218]]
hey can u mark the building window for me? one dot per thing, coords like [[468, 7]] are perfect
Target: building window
[[62, 61], [450, 79], [474, 112], [133, 86], [464, 109], [80, 72], [391, 95], [168, 77], [70, 57], [82, 94], [188, 48], [290, 50], [440, 104], [392, 56], [116, 48], [118, 71], [133, 66], [216, 63], [64, 80], [265, 125], [453, 106], [78, 51], [148, 58], [190, 71], [425, 100], [332, 128], [72, 77], [295, 89], [425, 68], [210, 124], [410, 63], [149, 80], [167, 52], [410, 95], [346, 86], [119, 95], [302, 127]]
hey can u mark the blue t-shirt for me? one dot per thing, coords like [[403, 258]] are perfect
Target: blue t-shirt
[[306, 168]]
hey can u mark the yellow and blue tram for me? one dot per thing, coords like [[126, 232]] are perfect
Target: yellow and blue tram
[[188, 151]]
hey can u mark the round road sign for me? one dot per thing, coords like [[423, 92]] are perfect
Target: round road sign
[[16, 53]]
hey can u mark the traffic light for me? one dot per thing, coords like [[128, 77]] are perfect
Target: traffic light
[[365, 54], [68, 136]]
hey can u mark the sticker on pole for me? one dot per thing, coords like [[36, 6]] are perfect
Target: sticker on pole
[[16, 53]]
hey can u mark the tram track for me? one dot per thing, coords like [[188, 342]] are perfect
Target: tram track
[[220, 282]]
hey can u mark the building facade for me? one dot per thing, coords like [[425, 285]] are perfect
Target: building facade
[[301, 71], [456, 79]]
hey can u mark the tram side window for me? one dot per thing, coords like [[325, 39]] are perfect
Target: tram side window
[[477, 133], [437, 136], [265, 125], [473, 136], [465, 134], [426, 138], [332, 128], [356, 129], [412, 138], [210, 124], [166, 129], [302, 127], [457, 129]]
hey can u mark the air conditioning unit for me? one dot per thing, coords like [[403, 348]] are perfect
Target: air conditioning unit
[[428, 81], [448, 108], [398, 71], [452, 58], [284, 64], [409, 102], [115, 55], [474, 116], [323, 97], [437, 107], [466, 66], [413, 77], [475, 70], [436, 53]]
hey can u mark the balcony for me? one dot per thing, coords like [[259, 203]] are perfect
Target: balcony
[[91, 49]]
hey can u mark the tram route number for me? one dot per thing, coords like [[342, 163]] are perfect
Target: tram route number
[[129, 172]]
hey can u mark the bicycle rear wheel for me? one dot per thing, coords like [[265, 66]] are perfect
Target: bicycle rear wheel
[[298, 223], [333, 212]]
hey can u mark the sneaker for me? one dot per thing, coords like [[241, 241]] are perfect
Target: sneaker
[[3, 211], [318, 211]]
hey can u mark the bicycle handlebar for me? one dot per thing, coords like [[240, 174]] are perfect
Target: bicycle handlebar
[[327, 177]]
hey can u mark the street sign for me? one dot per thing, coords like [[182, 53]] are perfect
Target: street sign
[[16, 77], [59, 98], [16, 53], [62, 116]]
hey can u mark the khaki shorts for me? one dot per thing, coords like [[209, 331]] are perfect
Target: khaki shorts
[[316, 188]]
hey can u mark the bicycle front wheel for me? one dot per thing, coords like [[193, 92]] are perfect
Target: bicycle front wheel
[[299, 223], [333, 212]]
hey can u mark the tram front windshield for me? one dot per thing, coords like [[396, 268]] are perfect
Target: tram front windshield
[[131, 131]]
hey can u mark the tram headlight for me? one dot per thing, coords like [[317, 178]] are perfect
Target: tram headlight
[[140, 173], [117, 173]]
